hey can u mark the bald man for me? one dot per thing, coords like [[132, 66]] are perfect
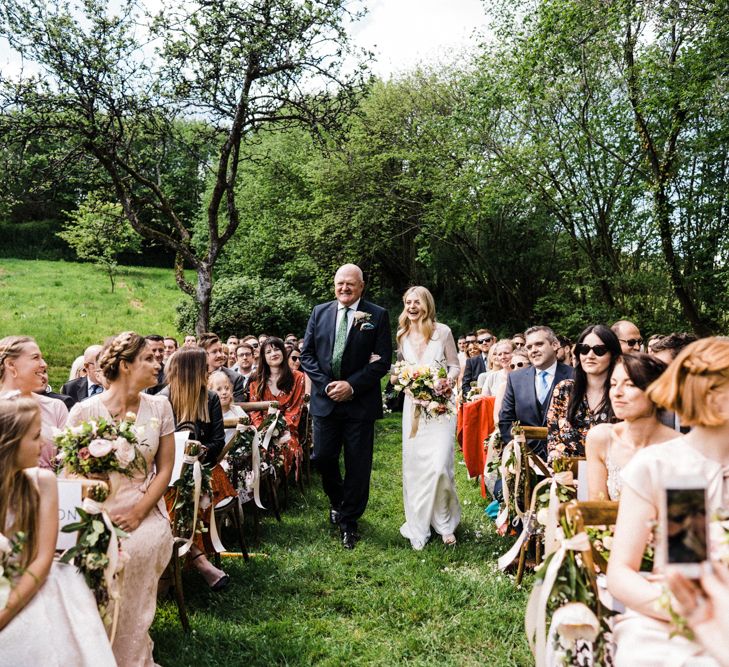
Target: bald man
[[82, 388], [347, 350], [629, 336]]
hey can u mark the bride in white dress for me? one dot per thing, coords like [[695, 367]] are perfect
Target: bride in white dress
[[429, 490]]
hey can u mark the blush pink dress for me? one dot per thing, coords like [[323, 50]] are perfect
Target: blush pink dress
[[150, 545]]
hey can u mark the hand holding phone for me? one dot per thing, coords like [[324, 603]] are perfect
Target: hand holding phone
[[685, 535]]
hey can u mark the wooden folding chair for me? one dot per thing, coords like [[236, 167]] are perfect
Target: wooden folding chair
[[591, 513]]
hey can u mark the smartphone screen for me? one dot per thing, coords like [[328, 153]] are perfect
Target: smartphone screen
[[686, 525]]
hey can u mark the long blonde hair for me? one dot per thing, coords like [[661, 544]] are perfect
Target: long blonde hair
[[187, 376], [427, 321], [17, 491]]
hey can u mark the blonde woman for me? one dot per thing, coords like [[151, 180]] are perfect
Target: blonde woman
[[48, 598], [696, 387], [429, 490], [135, 503], [23, 372]]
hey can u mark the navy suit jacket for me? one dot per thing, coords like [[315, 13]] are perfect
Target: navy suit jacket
[[520, 400], [362, 341], [474, 367]]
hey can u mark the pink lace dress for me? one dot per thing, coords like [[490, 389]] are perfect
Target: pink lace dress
[[150, 545]]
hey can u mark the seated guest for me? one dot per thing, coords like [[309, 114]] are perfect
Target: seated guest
[[629, 336], [490, 382], [232, 342], [227, 353], [255, 346], [275, 381], [221, 385], [528, 393], [479, 363], [244, 366], [194, 406], [22, 371], [217, 360], [135, 503], [295, 365], [190, 341], [47, 391], [77, 368], [50, 617], [84, 387], [292, 339], [519, 341], [170, 347], [611, 446], [696, 386], [157, 345], [519, 359], [564, 354], [667, 347], [582, 402], [651, 342]]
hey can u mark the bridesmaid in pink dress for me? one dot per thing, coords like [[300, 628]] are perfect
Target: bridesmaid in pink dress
[[22, 371], [136, 504]]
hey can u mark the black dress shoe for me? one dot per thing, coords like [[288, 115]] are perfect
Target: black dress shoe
[[334, 516], [349, 539]]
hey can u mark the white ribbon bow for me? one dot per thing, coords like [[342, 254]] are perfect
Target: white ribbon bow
[[197, 478]]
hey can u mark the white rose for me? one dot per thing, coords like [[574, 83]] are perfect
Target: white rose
[[5, 546], [607, 542], [120, 442], [5, 589], [130, 417], [542, 515], [124, 453], [100, 447], [77, 430]]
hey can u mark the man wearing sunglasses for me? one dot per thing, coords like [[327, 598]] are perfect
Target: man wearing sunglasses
[[629, 336], [480, 363], [529, 390]]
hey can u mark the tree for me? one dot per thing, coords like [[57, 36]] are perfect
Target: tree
[[98, 231], [239, 66]]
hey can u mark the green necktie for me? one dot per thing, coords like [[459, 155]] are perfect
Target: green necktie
[[339, 341]]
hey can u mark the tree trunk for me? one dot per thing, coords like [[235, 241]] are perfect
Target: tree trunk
[[202, 296]]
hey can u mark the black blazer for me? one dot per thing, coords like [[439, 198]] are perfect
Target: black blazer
[[520, 400], [362, 341], [77, 389], [474, 367], [67, 400]]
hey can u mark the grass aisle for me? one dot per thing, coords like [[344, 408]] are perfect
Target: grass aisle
[[308, 601]]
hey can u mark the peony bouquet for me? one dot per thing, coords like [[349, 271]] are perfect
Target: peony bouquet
[[430, 388], [10, 550], [101, 447]]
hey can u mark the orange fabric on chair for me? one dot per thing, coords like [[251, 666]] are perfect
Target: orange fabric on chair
[[475, 424]]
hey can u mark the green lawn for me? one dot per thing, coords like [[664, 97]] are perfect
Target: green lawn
[[303, 600], [66, 306]]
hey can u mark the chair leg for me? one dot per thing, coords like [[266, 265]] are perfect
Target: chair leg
[[176, 564], [522, 561], [238, 522], [274, 497]]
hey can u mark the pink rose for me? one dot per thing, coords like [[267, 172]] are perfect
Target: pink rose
[[84, 453]]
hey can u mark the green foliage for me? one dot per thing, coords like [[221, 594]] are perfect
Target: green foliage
[[98, 231], [243, 305]]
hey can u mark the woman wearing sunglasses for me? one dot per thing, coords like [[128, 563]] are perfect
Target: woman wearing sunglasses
[[519, 359], [580, 403], [295, 365]]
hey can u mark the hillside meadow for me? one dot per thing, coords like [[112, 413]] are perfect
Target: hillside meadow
[[66, 306]]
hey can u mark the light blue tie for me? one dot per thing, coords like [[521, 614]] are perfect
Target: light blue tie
[[543, 386], [340, 341], [95, 389]]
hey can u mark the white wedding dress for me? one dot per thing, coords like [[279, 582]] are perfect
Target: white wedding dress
[[428, 489]]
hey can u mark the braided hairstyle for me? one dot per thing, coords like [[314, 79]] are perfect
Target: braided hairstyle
[[126, 346], [18, 494], [11, 347], [698, 371]]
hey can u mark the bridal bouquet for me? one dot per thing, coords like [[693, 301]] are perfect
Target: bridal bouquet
[[100, 447], [430, 389], [10, 549]]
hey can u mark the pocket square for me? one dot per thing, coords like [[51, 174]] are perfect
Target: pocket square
[[367, 326]]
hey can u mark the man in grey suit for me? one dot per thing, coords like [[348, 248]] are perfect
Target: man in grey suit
[[529, 390]]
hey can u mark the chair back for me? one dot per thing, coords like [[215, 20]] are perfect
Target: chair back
[[535, 432], [71, 492], [591, 513]]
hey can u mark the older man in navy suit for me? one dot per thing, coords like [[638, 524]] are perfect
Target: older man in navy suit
[[529, 391], [347, 350]]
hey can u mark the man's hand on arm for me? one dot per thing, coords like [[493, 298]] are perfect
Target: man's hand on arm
[[339, 391]]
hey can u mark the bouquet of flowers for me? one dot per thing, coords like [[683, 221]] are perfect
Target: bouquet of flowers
[[101, 447], [10, 568], [274, 454], [430, 389], [92, 555], [184, 520]]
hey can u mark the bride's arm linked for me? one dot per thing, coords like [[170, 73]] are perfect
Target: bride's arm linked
[[37, 571]]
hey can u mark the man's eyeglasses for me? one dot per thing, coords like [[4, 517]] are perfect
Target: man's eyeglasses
[[485, 339], [584, 350], [254, 345], [631, 342], [518, 364]]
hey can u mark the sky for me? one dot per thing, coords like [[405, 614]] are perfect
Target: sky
[[403, 33]]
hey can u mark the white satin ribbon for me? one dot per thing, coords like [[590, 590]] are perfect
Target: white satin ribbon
[[551, 543], [536, 618], [197, 478], [95, 508]]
